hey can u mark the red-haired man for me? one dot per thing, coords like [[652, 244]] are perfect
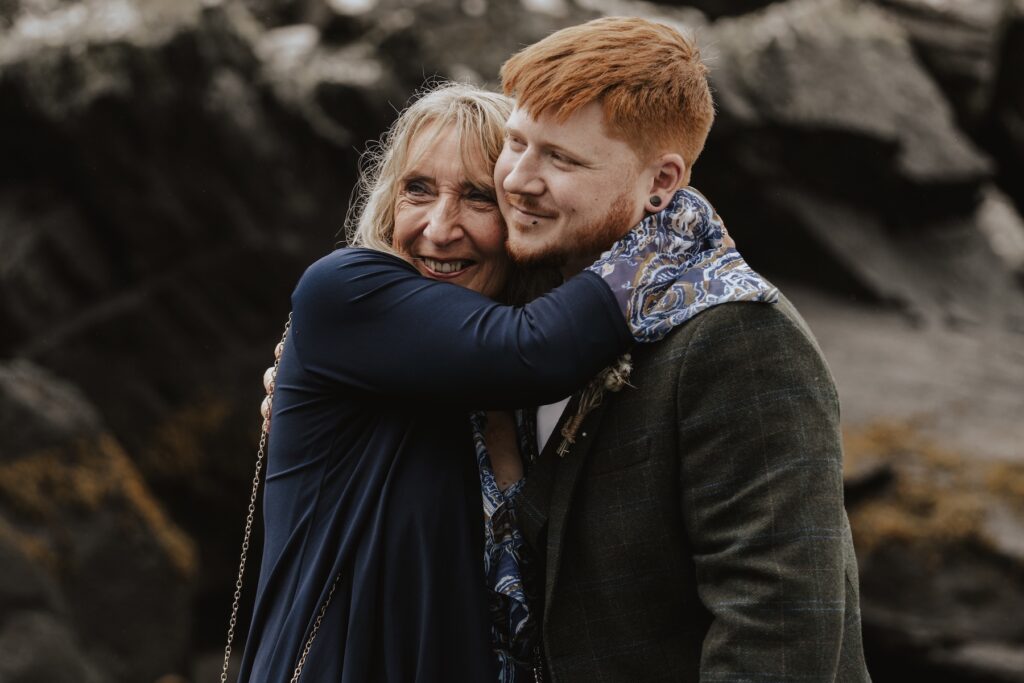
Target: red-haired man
[[690, 526]]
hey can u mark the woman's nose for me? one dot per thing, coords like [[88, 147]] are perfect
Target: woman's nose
[[444, 222]]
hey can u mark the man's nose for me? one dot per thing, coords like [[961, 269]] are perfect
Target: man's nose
[[523, 177], [444, 222]]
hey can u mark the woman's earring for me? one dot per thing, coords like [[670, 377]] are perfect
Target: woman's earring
[[655, 200]]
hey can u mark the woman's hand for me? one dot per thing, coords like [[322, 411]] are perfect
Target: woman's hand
[[268, 383]]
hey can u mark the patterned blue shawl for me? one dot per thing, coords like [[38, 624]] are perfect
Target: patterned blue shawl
[[512, 628], [676, 263]]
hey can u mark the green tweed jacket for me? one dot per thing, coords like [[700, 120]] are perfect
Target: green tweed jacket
[[696, 529]]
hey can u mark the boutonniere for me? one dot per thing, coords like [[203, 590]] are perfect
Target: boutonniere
[[612, 378]]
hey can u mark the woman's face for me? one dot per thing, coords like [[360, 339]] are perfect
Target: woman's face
[[447, 222]]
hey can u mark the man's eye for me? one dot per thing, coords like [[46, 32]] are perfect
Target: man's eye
[[561, 158], [515, 143]]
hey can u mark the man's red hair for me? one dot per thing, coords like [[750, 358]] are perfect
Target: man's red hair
[[647, 76]]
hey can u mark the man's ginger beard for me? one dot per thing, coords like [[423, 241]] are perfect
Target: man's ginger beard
[[586, 241]]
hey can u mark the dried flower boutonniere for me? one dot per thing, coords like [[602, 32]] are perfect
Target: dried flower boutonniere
[[612, 378]]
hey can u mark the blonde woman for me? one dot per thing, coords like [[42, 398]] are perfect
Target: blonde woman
[[373, 497]]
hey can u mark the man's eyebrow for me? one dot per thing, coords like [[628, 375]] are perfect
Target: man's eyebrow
[[560, 148], [577, 156]]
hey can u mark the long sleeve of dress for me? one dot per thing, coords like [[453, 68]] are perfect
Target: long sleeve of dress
[[368, 320]]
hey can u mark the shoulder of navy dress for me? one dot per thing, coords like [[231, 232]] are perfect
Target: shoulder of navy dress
[[343, 265], [353, 257]]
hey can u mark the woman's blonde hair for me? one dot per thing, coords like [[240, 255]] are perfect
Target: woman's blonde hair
[[478, 117]]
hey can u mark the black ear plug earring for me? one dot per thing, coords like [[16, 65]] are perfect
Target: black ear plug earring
[[655, 200]]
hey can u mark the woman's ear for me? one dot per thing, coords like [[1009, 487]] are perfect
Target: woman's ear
[[668, 173]]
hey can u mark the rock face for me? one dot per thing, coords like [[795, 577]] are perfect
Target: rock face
[[96, 579], [169, 167], [958, 42], [1003, 227], [1006, 125], [722, 8], [835, 70], [941, 546], [114, 108], [846, 161]]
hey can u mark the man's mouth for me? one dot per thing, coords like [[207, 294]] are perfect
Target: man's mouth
[[529, 212], [450, 268]]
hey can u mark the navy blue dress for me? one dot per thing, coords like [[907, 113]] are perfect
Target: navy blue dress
[[371, 469]]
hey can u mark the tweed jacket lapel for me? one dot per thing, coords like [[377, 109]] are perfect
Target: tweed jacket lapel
[[564, 477]]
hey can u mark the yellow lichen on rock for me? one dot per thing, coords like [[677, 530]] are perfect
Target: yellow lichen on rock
[[917, 513], [133, 490], [92, 473], [176, 446], [894, 441], [1007, 479], [936, 496], [35, 549], [40, 485]]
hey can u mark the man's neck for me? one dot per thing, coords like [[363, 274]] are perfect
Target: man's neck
[[576, 264]]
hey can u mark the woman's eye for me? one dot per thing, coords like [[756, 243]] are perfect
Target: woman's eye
[[481, 196], [416, 188]]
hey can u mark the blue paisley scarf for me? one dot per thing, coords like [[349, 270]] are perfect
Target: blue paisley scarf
[[675, 264], [512, 625]]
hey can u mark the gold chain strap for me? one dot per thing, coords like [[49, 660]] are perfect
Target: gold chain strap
[[265, 408], [314, 631], [260, 453]]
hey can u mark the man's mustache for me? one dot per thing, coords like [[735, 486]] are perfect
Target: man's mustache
[[526, 203]]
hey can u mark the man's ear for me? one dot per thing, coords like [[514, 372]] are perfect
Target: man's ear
[[667, 172]]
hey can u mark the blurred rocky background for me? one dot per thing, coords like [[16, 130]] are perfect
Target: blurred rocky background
[[169, 167]]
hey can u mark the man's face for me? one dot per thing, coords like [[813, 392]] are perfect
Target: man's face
[[567, 190]]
